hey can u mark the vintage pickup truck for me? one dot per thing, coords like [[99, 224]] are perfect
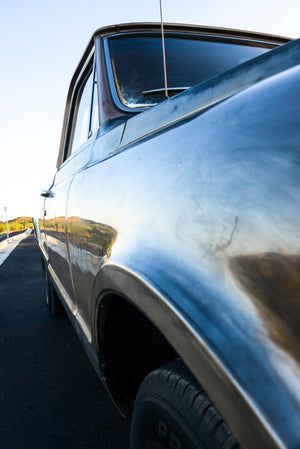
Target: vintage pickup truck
[[171, 232]]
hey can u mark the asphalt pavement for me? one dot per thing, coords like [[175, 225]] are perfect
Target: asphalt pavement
[[50, 396]]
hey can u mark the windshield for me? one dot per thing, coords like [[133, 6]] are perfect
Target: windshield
[[136, 64]]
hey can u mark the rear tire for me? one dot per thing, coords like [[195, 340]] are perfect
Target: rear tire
[[172, 412], [52, 301]]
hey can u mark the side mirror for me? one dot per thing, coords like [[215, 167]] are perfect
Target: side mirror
[[47, 194]]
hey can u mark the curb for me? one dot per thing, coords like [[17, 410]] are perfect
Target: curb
[[6, 242]]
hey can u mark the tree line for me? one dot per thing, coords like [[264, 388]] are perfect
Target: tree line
[[17, 224]]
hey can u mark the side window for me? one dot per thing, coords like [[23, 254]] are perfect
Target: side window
[[95, 112], [85, 120]]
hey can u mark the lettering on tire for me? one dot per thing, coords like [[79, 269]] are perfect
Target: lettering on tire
[[167, 436]]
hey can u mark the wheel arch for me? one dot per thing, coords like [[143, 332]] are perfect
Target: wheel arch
[[126, 332], [138, 294], [129, 347]]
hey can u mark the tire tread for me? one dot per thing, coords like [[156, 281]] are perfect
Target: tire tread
[[175, 384]]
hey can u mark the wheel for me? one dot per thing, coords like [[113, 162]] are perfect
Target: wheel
[[172, 412], [52, 301]]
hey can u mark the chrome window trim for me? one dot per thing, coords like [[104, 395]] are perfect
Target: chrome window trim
[[204, 37], [78, 100], [111, 80], [90, 70], [88, 67]]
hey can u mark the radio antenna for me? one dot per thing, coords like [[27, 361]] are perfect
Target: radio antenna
[[163, 49]]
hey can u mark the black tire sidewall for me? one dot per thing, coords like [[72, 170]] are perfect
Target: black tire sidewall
[[46, 286], [156, 420], [174, 412], [51, 299]]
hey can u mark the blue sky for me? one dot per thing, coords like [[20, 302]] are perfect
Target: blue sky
[[40, 46]]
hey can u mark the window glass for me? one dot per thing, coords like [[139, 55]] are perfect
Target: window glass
[[137, 64], [95, 114], [82, 113]]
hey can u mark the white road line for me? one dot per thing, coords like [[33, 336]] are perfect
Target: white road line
[[7, 246]]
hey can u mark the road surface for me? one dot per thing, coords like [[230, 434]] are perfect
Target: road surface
[[50, 396]]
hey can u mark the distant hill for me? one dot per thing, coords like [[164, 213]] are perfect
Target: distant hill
[[17, 224]]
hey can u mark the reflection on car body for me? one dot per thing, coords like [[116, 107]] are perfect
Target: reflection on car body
[[170, 233]]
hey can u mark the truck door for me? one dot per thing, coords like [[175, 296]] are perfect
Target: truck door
[[78, 137]]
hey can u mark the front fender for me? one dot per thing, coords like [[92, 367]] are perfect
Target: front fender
[[216, 330]]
